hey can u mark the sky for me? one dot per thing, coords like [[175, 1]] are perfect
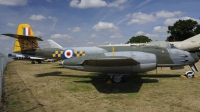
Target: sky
[[76, 23]]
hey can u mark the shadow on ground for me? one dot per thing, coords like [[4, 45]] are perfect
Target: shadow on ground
[[130, 83]]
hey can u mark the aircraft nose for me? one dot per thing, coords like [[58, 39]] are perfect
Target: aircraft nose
[[195, 57]]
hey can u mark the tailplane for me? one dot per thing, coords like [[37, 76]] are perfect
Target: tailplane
[[25, 39]]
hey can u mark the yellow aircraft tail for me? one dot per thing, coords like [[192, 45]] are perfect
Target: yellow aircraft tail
[[25, 39]]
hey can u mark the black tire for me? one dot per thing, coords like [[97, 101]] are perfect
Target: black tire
[[32, 62], [190, 74], [117, 79]]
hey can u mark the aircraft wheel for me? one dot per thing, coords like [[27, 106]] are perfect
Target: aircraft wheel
[[32, 62], [189, 74], [117, 78], [39, 62]]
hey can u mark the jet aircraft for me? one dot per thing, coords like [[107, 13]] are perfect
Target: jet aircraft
[[116, 61], [190, 44], [19, 57], [33, 59]]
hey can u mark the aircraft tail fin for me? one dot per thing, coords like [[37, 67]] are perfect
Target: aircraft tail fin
[[25, 39], [194, 38], [53, 44]]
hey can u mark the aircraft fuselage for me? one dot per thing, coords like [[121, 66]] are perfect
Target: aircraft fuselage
[[96, 59]]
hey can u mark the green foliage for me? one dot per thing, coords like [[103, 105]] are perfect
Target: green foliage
[[183, 29], [139, 39]]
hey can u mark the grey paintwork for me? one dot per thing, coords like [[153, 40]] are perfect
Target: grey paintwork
[[187, 45], [181, 57], [120, 59], [89, 50], [190, 44], [140, 57], [146, 57], [122, 62]]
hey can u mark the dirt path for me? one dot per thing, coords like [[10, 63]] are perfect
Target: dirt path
[[16, 95]]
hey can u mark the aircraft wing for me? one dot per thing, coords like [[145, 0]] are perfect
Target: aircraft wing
[[111, 61], [23, 37], [37, 58]]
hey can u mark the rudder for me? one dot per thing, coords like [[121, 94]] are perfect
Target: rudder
[[25, 39], [24, 44], [24, 29]]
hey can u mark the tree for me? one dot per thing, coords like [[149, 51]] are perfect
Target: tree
[[183, 29], [139, 39]]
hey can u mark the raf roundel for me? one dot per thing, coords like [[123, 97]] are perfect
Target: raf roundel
[[68, 53]]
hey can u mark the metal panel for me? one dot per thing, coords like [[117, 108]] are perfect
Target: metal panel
[[3, 62]]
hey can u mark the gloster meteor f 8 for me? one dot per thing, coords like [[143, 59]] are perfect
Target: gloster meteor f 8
[[116, 61]]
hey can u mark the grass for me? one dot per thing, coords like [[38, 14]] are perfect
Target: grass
[[49, 87]]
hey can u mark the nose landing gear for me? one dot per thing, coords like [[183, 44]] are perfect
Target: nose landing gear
[[189, 74]]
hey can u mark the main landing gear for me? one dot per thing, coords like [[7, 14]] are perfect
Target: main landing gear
[[32, 62], [38, 61], [115, 78], [190, 74]]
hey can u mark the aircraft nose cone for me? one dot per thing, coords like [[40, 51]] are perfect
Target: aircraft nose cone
[[195, 57]]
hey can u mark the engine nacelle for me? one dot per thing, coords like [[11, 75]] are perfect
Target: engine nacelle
[[147, 61]]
